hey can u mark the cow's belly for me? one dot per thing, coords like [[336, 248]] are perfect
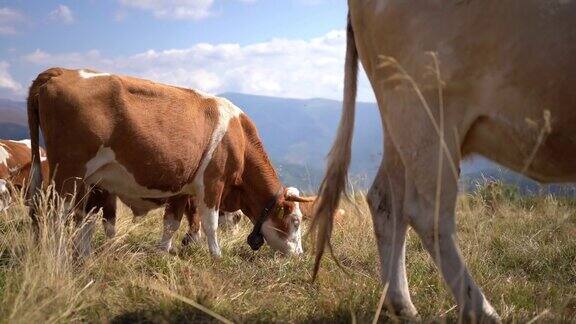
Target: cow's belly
[[104, 171], [544, 158], [139, 206]]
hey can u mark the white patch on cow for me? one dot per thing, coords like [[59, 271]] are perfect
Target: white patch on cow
[[87, 74], [289, 245], [292, 192], [4, 155], [106, 172], [210, 227], [4, 195], [297, 231], [226, 112], [26, 142], [292, 244]]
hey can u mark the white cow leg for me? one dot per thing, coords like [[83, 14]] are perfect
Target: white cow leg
[[4, 195], [390, 229], [172, 218], [84, 232], [440, 242], [210, 227]]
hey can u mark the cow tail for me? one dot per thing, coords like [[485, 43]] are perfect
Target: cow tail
[[34, 125], [334, 182], [35, 182]]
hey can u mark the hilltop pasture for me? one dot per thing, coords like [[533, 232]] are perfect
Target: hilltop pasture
[[522, 250]]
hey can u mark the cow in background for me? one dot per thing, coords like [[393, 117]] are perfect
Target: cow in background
[[15, 163]]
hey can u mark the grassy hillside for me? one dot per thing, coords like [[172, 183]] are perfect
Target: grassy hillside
[[521, 250]]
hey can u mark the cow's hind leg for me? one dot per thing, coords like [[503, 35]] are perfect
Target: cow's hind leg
[[172, 217], [436, 227], [109, 215], [385, 199], [102, 199], [193, 234], [77, 198]]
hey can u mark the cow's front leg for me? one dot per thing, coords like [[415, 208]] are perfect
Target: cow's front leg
[[172, 217], [210, 227]]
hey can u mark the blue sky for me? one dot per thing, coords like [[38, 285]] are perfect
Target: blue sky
[[290, 48]]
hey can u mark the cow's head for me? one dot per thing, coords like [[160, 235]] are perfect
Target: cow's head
[[4, 195], [281, 224]]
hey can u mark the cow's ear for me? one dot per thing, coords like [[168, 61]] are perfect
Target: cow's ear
[[300, 199]]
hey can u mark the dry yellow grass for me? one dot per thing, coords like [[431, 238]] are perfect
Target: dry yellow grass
[[522, 252]]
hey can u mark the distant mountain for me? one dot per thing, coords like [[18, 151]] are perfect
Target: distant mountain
[[298, 133], [470, 182], [13, 119]]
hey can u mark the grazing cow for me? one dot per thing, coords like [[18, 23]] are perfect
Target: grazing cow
[[14, 156], [502, 85], [15, 159], [151, 144]]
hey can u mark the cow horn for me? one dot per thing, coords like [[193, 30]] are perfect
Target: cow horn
[[300, 199]]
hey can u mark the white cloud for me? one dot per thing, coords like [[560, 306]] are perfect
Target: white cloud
[[62, 14], [176, 9], [6, 80], [173, 9], [10, 20], [279, 67]]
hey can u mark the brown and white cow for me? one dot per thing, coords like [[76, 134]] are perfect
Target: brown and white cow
[[149, 144], [15, 162], [502, 85]]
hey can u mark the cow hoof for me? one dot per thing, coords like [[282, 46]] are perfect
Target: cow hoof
[[485, 317], [401, 308], [190, 238]]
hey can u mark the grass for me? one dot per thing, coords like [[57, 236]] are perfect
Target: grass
[[521, 250]]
